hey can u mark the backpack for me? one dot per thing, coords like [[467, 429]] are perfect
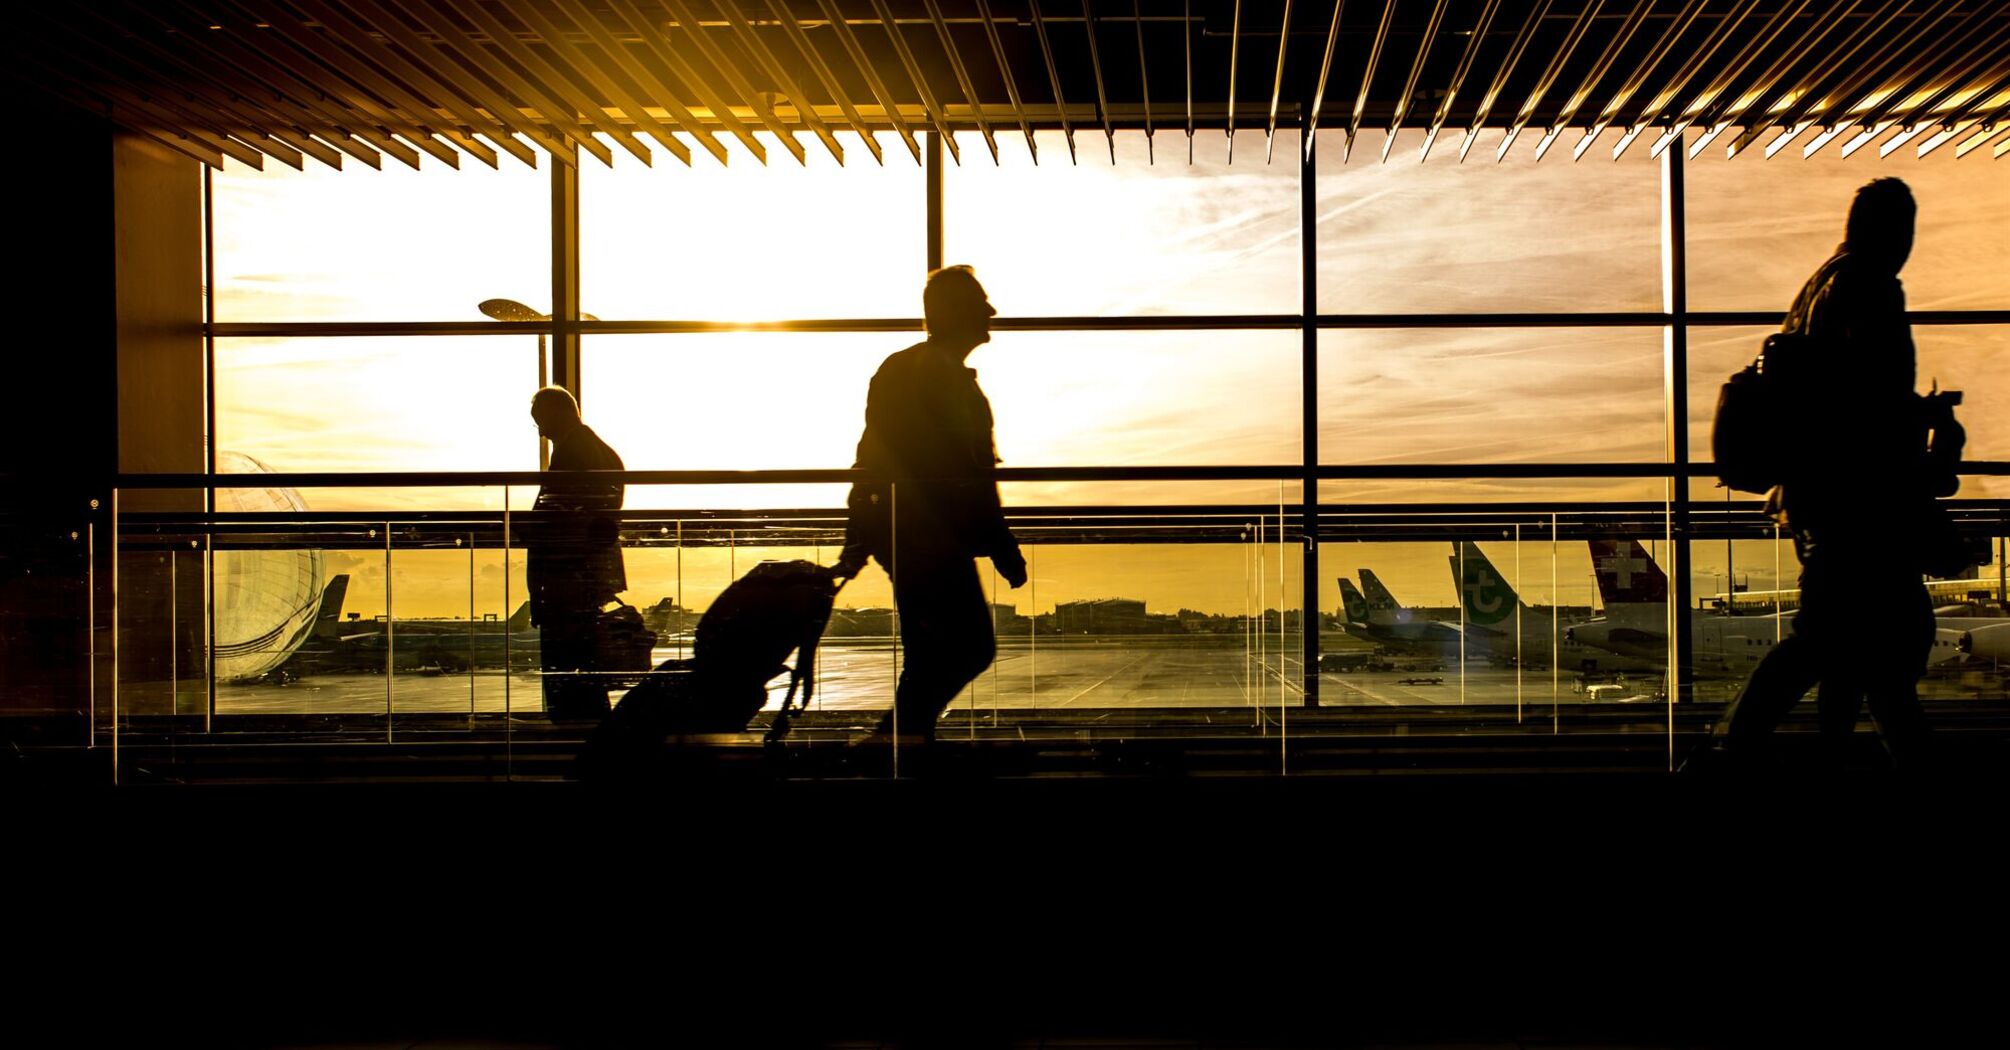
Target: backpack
[[1756, 435]]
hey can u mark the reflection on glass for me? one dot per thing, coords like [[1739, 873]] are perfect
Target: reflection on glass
[[778, 241], [1498, 395], [388, 245], [1516, 236], [1137, 237], [1758, 227]]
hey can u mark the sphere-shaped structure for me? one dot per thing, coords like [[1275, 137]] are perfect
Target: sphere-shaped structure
[[266, 598]]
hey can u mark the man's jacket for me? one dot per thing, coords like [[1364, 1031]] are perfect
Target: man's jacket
[[573, 562], [928, 446]]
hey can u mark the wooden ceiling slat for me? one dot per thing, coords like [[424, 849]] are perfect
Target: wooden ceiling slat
[[1691, 68], [1978, 41], [1804, 90], [1578, 30], [888, 106], [226, 100], [1971, 121], [758, 50], [1634, 82], [653, 86], [815, 60], [160, 111], [1875, 76], [1144, 80], [250, 75], [1011, 82], [362, 40], [962, 74], [1595, 76], [1916, 123], [567, 133], [1409, 83], [554, 81], [1843, 75], [368, 86], [503, 119], [1368, 78], [1465, 68], [1325, 73], [1766, 91], [1096, 68], [1277, 82], [603, 80], [1722, 81], [1500, 80], [1054, 78], [918, 78], [735, 83], [188, 141]]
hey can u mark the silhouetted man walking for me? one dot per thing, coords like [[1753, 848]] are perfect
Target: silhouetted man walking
[[1855, 496], [931, 504], [573, 563]]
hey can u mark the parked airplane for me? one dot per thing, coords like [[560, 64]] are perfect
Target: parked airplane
[[1378, 616], [1634, 591], [1496, 616], [358, 646]]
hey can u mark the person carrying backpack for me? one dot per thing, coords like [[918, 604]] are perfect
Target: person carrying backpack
[[1857, 478]]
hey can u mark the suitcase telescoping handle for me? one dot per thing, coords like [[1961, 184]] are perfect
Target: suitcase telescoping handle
[[802, 674]]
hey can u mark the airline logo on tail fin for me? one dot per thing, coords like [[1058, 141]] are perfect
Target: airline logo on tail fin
[[1485, 592], [1352, 602], [1626, 574], [1378, 595]]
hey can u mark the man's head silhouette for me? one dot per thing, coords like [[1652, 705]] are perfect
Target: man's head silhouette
[[957, 311], [554, 411], [1879, 231]]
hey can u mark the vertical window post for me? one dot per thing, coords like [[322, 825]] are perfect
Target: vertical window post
[[565, 273], [1308, 383], [934, 179], [1675, 379]]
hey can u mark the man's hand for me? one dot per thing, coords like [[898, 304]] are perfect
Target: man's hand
[[848, 567], [1011, 565]]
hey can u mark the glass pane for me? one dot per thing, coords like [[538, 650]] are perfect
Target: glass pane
[[697, 401], [1141, 236], [754, 241], [1758, 227], [1501, 395], [1484, 237], [436, 403], [389, 245]]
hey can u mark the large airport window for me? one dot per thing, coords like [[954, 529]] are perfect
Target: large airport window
[[388, 245], [751, 241], [1478, 236], [1147, 235]]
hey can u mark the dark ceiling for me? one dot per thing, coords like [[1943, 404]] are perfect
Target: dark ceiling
[[331, 81]]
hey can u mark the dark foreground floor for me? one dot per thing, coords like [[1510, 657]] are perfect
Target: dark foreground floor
[[1237, 912]]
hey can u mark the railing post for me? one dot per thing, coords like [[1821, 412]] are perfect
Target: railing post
[[1308, 331]]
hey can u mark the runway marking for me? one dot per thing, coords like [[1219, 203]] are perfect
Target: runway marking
[[1102, 681]]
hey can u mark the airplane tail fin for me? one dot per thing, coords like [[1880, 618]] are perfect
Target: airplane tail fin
[[332, 595], [520, 619], [1626, 574], [1378, 595], [1485, 593], [1352, 602]]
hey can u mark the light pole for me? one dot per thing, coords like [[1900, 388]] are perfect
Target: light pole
[[511, 310]]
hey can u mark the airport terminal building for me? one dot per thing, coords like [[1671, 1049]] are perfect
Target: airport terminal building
[[1352, 384]]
